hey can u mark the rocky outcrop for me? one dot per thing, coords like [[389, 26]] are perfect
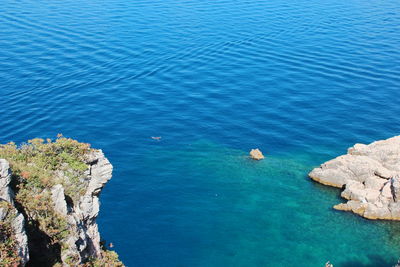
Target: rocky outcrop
[[370, 177], [10, 215], [84, 238], [77, 217], [256, 154]]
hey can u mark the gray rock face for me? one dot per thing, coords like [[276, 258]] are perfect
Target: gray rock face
[[84, 239], [18, 221], [370, 176], [5, 179], [21, 237], [58, 197]]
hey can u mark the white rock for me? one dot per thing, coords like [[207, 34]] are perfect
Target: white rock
[[374, 182], [57, 194], [256, 154], [372, 195], [5, 179], [370, 175]]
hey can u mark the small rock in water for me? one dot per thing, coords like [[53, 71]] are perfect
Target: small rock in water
[[256, 154]]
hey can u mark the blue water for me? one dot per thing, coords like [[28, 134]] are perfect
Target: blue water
[[301, 79]]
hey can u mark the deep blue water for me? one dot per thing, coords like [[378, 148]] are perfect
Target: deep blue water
[[302, 80]]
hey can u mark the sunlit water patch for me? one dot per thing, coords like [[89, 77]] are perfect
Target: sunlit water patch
[[208, 205]]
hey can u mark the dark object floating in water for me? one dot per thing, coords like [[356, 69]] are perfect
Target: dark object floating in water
[[158, 138], [256, 154]]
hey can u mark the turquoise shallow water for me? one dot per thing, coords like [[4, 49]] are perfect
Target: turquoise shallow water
[[301, 80], [222, 209]]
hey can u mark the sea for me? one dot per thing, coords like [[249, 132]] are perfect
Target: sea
[[302, 80]]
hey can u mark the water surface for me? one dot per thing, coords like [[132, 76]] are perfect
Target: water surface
[[301, 80]]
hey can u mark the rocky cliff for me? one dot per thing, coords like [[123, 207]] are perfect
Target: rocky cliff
[[50, 194], [370, 178], [12, 222]]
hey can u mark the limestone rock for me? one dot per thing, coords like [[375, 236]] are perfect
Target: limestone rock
[[342, 206], [5, 179], [395, 185], [370, 177], [21, 237], [57, 194], [84, 239], [357, 206], [372, 195], [18, 222], [256, 154], [374, 182]]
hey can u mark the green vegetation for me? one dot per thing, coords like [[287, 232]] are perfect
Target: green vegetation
[[37, 166], [40, 213], [8, 244], [40, 164], [109, 258]]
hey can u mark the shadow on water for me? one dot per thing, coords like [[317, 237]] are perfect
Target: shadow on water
[[328, 190], [374, 261], [393, 229]]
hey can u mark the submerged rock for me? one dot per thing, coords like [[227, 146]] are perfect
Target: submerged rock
[[256, 154], [370, 177]]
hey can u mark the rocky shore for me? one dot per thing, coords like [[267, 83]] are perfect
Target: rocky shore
[[370, 178], [49, 202]]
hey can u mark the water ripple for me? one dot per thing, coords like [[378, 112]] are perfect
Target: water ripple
[[305, 78]]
